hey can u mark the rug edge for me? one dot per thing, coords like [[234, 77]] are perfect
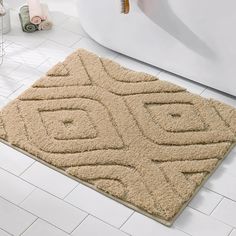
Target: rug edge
[[130, 206]]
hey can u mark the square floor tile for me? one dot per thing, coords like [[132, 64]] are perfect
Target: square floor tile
[[67, 7], [140, 225], [6, 43], [49, 180], [12, 160], [47, 65], [25, 73], [226, 212], [92, 226], [73, 24], [8, 66], [61, 36], [58, 17], [14, 219], [42, 228], [98, 205], [8, 86], [229, 163], [50, 49], [19, 91], [205, 201], [53, 210], [222, 182], [13, 188], [195, 223], [20, 54]]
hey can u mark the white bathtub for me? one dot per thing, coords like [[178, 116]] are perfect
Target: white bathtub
[[194, 39]]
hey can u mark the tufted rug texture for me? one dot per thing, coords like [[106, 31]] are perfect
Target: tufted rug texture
[[146, 143]]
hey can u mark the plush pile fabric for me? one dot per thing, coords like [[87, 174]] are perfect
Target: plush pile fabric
[[148, 143]]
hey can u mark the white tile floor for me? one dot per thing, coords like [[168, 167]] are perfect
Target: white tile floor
[[35, 200]]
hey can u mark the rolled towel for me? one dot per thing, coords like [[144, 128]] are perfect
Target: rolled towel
[[24, 16], [35, 12], [45, 24]]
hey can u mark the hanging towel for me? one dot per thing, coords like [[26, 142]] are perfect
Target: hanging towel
[[35, 12], [45, 24], [24, 16]]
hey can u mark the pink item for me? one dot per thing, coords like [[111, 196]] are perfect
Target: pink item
[[35, 12], [45, 24]]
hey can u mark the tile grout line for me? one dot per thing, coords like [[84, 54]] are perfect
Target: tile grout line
[[113, 226], [127, 220], [61, 25], [48, 58], [212, 217], [64, 200], [36, 187], [79, 224], [220, 194], [230, 232], [160, 71], [9, 73], [51, 224], [29, 226], [26, 196], [195, 208], [50, 40], [38, 217], [28, 48], [35, 48], [203, 91], [217, 205], [82, 222], [27, 168], [21, 86], [2, 96], [6, 231], [61, 44], [176, 227], [19, 204], [29, 212], [70, 191], [81, 37]]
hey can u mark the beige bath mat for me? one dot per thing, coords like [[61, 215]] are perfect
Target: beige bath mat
[[147, 143]]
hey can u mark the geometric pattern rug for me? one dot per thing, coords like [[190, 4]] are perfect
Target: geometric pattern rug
[[146, 143]]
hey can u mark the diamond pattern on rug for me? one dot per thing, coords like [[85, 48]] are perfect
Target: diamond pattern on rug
[[147, 143]]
